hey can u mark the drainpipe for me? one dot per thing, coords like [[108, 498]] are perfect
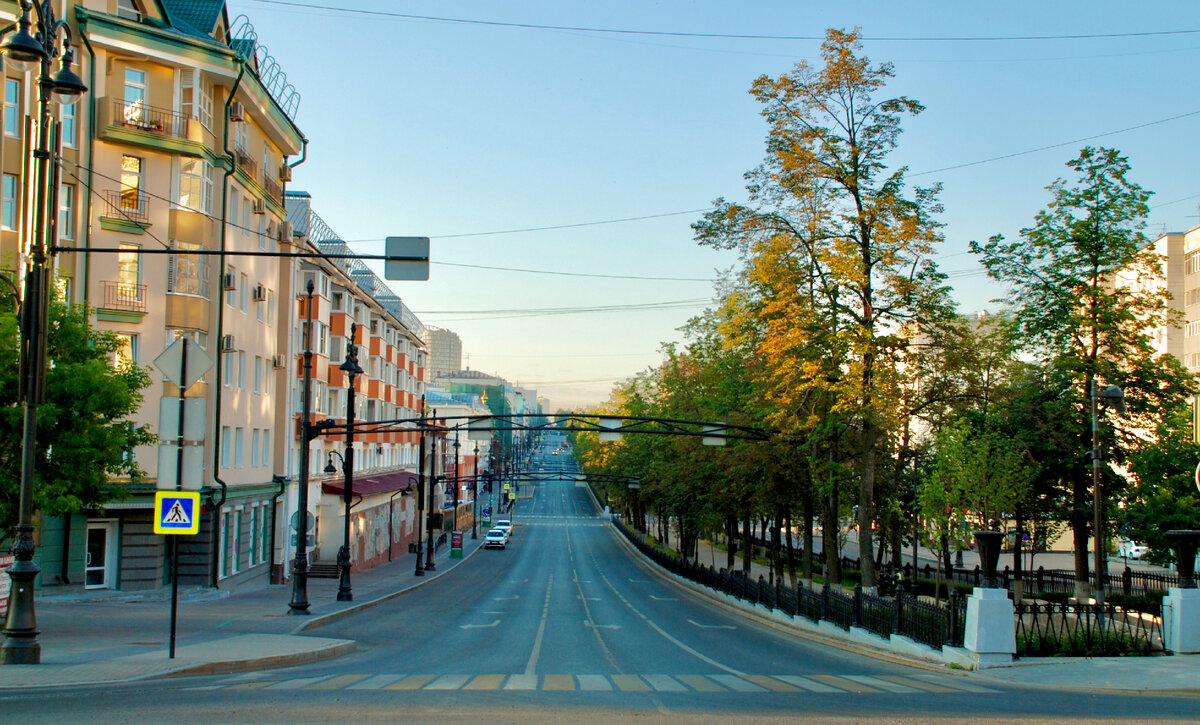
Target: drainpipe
[[282, 481], [217, 504]]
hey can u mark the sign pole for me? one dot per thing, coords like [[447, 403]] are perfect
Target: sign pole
[[178, 487]]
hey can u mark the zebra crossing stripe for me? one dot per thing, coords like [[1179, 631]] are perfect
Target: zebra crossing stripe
[[844, 684], [737, 684], [412, 682], [252, 685], [522, 682], [485, 682], [959, 685], [771, 683], [375, 683], [630, 683], [883, 684], [558, 682], [664, 683], [700, 683], [806, 684], [298, 683], [594, 683], [337, 683], [448, 682]]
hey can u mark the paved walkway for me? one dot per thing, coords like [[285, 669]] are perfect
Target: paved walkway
[[97, 638]]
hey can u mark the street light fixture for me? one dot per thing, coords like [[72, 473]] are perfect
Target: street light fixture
[[350, 367], [25, 51], [1112, 395]]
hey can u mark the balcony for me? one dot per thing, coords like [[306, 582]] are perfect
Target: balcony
[[147, 118], [125, 297], [127, 205], [273, 189], [246, 162]]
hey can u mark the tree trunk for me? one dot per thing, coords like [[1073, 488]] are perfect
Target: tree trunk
[[747, 543], [1080, 528], [776, 549], [731, 542], [829, 540], [866, 499], [791, 552], [807, 538]]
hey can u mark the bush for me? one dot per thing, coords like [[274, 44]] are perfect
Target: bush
[[1150, 603]]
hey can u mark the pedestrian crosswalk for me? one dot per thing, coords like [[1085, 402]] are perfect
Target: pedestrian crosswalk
[[709, 683]]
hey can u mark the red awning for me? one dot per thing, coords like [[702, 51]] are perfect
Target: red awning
[[370, 485]]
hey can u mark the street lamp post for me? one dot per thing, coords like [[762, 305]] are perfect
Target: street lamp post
[[420, 570], [1117, 397], [24, 51], [299, 603], [456, 484], [350, 367], [430, 564], [475, 496]]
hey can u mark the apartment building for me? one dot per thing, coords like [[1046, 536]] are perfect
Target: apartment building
[[445, 352]]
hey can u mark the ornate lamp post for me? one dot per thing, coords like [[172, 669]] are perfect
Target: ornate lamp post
[[299, 603], [350, 367], [26, 52], [420, 570], [475, 496], [456, 484]]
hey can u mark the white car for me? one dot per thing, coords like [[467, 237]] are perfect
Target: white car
[[495, 539], [1132, 550], [505, 525]]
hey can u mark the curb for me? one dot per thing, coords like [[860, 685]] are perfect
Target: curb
[[330, 652]]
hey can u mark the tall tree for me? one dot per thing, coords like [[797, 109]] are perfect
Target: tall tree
[[844, 236], [85, 440], [1075, 311]]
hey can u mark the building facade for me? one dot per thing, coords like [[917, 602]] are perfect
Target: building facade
[[445, 352]]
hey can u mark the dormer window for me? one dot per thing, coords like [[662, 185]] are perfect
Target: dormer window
[[129, 10]]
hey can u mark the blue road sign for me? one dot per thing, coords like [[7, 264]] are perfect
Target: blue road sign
[[177, 512]]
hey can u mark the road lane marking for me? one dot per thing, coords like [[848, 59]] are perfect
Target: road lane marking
[[558, 682], [593, 625], [883, 684], [712, 626], [251, 685], [537, 641], [664, 599], [506, 599], [737, 684], [448, 682], [806, 684], [522, 682], [413, 682], [700, 683], [934, 683], [844, 683], [337, 683], [664, 683], [299, 682], [375, 683], [485, 682], [771, 683], [479, 626], [594, 683], [630, 683]]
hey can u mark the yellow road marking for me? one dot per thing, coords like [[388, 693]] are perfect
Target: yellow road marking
[[415, 682], [558, 682], [700, 683], [485, 682], [337, 683], [630, 683], [917, 684], [842, 683], [771, 683]]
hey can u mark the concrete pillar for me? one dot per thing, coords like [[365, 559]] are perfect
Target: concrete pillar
[[1181, 620], [991, 630]]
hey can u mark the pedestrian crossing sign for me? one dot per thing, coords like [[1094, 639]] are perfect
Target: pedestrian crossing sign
[[177, 512]]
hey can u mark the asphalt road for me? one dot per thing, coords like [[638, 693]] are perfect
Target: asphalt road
[[566, 624]]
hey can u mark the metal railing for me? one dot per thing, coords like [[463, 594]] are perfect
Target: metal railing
[[148, 118], [121, 296], [931, 624], [1085, 630], [127, 204]]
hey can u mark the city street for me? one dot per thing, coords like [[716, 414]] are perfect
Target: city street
[[568, 623]]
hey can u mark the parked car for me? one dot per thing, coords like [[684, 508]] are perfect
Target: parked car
[[1132, 550], [504, 524], [495, 539]]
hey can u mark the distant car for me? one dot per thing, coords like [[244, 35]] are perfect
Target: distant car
[[505, 525], [496, 539], [1132, 550]]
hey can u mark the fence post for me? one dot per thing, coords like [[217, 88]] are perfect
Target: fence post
[[1127, 581], [824, 600], [775, 595], [758, 597], [897, 619], [856, 611], [952, 630], [1041, 578]]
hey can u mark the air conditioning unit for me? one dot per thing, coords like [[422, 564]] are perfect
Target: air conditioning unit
[[260, 293], [277, 361], [227, 343], [229, 281], [260, 206], [285, 232], [285, 173], [236, 112]]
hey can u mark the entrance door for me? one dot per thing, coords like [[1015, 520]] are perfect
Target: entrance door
[[101, 545]]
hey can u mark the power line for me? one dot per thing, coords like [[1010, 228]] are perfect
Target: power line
[[725, 36], [568, 226], [574, 274]]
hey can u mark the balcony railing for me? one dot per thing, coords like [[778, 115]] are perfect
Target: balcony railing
[[121, 296], [147, 118], [274, 190], [127, 204], [246, 161]]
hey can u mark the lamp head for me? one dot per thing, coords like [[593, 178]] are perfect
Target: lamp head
[[22, 50], [329, 464], [68, 86], [1115, 396]]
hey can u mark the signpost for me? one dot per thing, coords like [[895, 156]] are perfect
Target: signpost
[[178, 512], [406, 258]]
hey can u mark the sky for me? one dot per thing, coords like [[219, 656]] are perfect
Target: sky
[[557, 170]]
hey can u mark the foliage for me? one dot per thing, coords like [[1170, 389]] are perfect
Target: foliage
[[1163, 495], [84, 438]]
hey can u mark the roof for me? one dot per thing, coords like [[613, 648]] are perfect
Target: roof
[[371, 485], [194, 17]]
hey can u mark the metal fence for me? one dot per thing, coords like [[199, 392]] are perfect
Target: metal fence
[[1085, 630], [931, 624]]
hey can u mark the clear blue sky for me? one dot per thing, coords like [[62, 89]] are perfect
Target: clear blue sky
[[454, 130]]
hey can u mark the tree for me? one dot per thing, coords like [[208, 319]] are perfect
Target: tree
[[840, 240], [1077, 315], [85, 441]]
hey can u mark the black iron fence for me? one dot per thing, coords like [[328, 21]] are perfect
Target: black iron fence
[[931, 624], [1067, 629]]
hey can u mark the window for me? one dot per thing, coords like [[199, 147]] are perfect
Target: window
[[187, 274], [67, 125], [66, 211], [128, 10], [224, 446], [270, 307], [241, 371], [8, 202], [127, 353], [266, 535], [243, 292], [254, 442], [129, 272], [235, 557], [230, 292], [132, 200], [12, 107], [135, 97], [238, 436], [226, 544], [233, 207], [253, 540], [258, 376], [206, 104], [266, 447], [195, 185], [228, 367]]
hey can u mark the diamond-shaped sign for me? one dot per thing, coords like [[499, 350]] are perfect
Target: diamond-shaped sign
[[184, 359]]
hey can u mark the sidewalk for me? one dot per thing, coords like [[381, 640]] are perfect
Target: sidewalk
[[111, 636]]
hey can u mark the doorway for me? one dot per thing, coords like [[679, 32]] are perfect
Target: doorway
[[101, 556]]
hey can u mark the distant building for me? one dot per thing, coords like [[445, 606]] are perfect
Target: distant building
[[445, 352]]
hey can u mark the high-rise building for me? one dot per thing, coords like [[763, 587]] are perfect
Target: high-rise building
[[445, 352]]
